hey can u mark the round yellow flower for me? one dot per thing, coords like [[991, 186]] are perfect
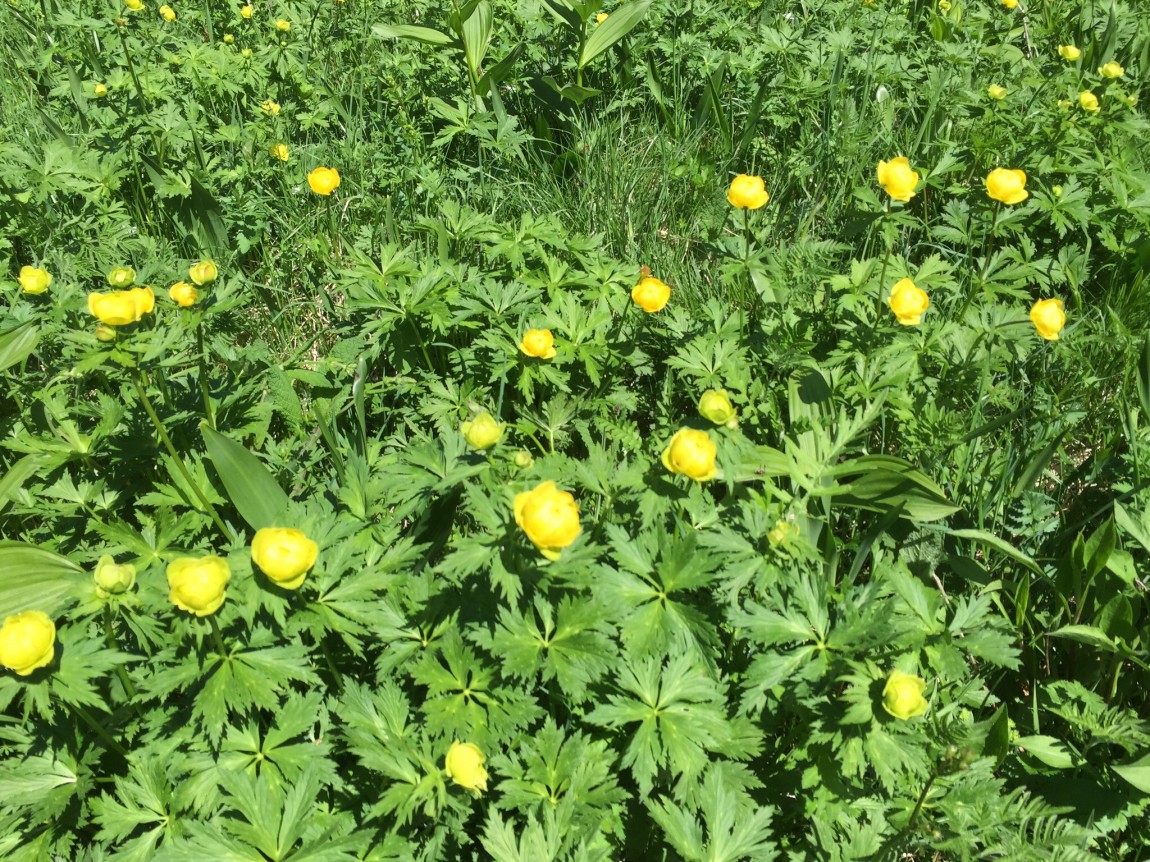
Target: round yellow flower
[[1069, 52], [33, 279], [601, 17], [902, 695], [121, 276], [1088, 102], [99, 90], [183, 294], [323, 181], [121, 307], [464, 766], [908, 302], [482, 432], [715, 406], [27, 642], [1048, 318], [270, 107], [747, 192], [279, 151], [168, 13], [1111, 70], [283, 25], [245, 11], [284, 554], [650, 294], [1007, 185], [539, 343], [1010, 4], [112, 578], [897, 178], [944, 5], [198, 585], [203, 272], [135, 5], [996, 92], [691, 453], [549, 517]]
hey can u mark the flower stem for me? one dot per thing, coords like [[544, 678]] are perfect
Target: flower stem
[[110, 639], [100, 730], [202, 361], [221, 647]]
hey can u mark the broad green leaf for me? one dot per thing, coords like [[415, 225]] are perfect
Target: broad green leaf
[[17, 475], [881, 483], [1047, 749], [426, 35], [17, 343], [255, 494], [36, 579], [476, 32], [1086, 635], [993, 541], [618, 24], [1137, 773]]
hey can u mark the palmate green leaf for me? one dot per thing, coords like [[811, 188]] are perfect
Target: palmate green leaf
[[143, 798], [535, 843], [28, 781], [554, 767], [19, 473]]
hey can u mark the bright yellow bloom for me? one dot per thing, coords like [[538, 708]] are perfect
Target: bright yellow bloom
[[99, 90], [650, 294], [549, 517], [996, 92], [715, 406], [198, 585], [1048, 318], [27, 642], [271, 107], [121, 276], [1007, 185], [464, 766], [168, 13], [323, 181], [902, 695], [1111, 70], [747, 192], [245, 11], [284, 554], [908, 302], [601, 17], [482, 432], [897, 178], [112, 578], [1088, 102], [203, 272], [691, 453], [121, 307], [280, 151], [183, 294], [283, 25], [33, 279], [135, 5], [1009, 4], [1069, 52], [539, 343]]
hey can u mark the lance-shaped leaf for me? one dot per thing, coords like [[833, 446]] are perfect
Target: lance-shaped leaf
[[617, 25], [255, 494]]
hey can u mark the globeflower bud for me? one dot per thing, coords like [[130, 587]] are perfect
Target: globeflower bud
[[549, 517], [284, 554], [1007, 185], [168, 13], [105, 333], [198, 585], [245, 11], [1111, 70], [112, 578], [34, 280], [908, 302], [897, 178], [204, 272], [523, 459], [135, 5], [650, 294], [99, 90], [902, 695], [246, 53], [464, 766], [691, 453], [781, 533], [121, 277], [538, 343], [715, 406], [27, 642], [482, 432], [747, 192], [1048, 318], [183, 294], [1088, 102], [1069, 53], [283, 25], [996, 92], [229, 38]]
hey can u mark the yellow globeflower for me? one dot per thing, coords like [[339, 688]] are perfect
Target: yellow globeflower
[[1088, 102], [996, 92], [1111, 70], [1010, 4], [271, 107], [280, 151], [27, 642], [549, 517], [482, 432], [121, 307], [245, 11], [203, 272], [283, 25], [691, 453], [284, 554], [229, 39], [135, 5], [198, 585], [715, 406], [33, 279], [650, 294], [464, 766], [539, 343], [897, 178], [1007, 185], [747, 192], [908, 302], [1069, 52], [323, 181], [1048, 318], [902, 695], [246, 53], [183, 294], [99, 90], [112, 578], [121, 276], [168, 13], [944, 5], [599, 19]]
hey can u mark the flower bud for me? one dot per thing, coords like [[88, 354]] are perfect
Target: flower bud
[[284, 554], [27, 642], [908, 302], [482, 432], [1048, 318], [183, 294], [464, 766], [229, 38], [715, 406], [198, 585], [121, 276], [523, 459], [204, 272], [902, 695], [168, 13], [105, 333], [113, 579], [99, 90], [781, 533], [549, 517], [691, 453], [34, 280]]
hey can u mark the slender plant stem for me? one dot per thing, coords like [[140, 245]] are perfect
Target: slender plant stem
[[202, 362], [100, 730], [331, 664], [918, 805], [221, 647], [110, 639]]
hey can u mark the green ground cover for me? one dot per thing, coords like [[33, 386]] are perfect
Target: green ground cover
[[552, 430]]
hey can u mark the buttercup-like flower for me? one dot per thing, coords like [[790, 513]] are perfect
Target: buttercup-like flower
[[897, 178], [549, 517], [245, 11], [1088, 102], [1111, 70], [1007, 185], [747, 192], [539, 343], [996, 92], [1069, 53], [99, 90], [27, 642], [908, 302], [601, 17], [135, 5], [279, 151], [691, 453], [183, 294], [203, 272], [715, 406], [283, 25], [1009, 4], [121, 307], [121, 276], [464, 766], [270, 107], [1048, 318], [902, 696], [482, 432], [323, 181], [168, 13], [284, 554], [113, 578], [198, 585], [33, 279], [650, 294]]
